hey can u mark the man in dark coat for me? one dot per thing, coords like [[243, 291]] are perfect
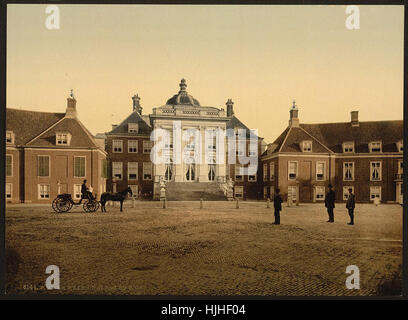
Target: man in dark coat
[[84, 191], [329, 203], [277, 204], [350, 205]]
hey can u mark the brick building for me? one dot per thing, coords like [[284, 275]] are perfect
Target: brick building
[[128, 146], [364, 156], [50, 153]]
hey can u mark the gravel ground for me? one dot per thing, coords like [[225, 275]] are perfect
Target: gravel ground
[[217, 250]]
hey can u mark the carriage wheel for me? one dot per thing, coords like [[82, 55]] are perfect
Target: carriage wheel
[[91, 206], [61, 205]]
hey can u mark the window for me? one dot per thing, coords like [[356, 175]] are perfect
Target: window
[[135, 190], [43, 166], [238, 175], [292, 170], [307, 146], [43, 191], [348, 171], [117, 145], [272, 171], [117, 171], [375, 146], [320, 169], [147, 171], [9, 190], [319, 193], [133, 127], [265, 192], [375, 192], [79, 167], [292, 193], [239, 192], [265, 172], [252, 177], [77, 191], [132, 170], [346, 191], [9, 137], [63, 138], [147, 146], [375, 170], [348, 147], [132, 146], [9, 165], [400, 146]]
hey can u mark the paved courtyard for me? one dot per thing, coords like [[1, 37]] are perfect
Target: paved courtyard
[[217, 250]]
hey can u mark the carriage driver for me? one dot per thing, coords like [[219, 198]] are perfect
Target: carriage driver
[[85, 192]]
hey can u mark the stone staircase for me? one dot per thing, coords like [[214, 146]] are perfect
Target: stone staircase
[[194, 191]]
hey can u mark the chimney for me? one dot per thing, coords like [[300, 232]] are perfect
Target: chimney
[[230, 108], [136, 104], [294, 120], [71, 106], [114, 126], [354, 119]]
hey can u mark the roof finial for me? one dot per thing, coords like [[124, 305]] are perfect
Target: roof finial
[[183, 85], [294, 104], [71, 94]]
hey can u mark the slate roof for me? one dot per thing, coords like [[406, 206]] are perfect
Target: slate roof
[[80, 136], [333, 135], [234, 122], [26, 125], [134, 117]]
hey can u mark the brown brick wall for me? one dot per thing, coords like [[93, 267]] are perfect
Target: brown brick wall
[[14, 179], [144, 186], [62, 171]]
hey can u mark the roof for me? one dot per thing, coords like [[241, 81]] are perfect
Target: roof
[[182, 97], [80, 136], [26, 125], [333, 135], [134, 117], [235, 123]]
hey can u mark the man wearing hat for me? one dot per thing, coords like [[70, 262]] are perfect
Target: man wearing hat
[[277, 204], [329, 203], [350, 205]]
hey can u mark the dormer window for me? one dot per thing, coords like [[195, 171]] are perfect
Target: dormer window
[[400, 146], [133, 127], [63, 138], [348, 147], [306, 146], [10, 137], [375, 146]]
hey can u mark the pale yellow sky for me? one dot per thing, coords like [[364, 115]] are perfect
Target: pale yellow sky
[[262, 57]]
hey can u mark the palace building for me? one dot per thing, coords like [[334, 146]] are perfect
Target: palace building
[[51, 153], [366, 156], [129, 146]]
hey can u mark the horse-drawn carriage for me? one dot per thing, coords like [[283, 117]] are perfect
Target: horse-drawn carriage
[[64, 203]]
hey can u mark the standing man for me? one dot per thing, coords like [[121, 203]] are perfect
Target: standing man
[[277, 204], [329, 203], [350, 205]]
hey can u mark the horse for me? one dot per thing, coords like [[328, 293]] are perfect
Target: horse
[[110, 196]]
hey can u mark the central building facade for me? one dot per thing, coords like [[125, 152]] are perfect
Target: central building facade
[[129, 146]]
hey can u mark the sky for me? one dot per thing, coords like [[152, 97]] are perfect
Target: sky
[[262, 57]]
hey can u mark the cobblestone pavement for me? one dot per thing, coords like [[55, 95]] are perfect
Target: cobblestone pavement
[[217, 250]]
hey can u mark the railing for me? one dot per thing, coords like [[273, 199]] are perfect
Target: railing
[[189, 112]]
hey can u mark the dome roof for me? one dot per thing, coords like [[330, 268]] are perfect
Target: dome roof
[[182, 97]]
